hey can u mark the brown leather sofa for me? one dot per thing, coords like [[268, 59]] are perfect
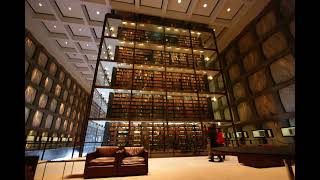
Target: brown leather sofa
[[102, 162], [109, 161], [133, 161]]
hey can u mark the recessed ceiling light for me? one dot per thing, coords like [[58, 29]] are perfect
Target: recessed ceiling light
[[210, 77], [201, 51], [80, 29], [159, 27], [66, 42], [168, 29], [109, 47], [219, 124], [113, 35], [111, 28], [69, 8], [98, 12], [124, 22], [228, 9], [205, 5], [214, 29], [179, 1], [198, 33], [142, 25], [207, 59], [132, 24], [40, 4], [54, 26], [87, 45]]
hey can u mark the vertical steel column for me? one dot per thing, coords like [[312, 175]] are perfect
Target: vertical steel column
[[224, 85], [195, 74], [85, 123]]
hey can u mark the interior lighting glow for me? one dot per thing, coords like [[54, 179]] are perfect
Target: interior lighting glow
[[205, 5]]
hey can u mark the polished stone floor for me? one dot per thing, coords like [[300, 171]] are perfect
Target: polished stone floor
[[176, 168]]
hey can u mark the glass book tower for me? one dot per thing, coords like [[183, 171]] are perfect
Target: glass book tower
[[157, 84]]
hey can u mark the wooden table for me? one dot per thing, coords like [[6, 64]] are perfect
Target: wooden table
[[261, 156]]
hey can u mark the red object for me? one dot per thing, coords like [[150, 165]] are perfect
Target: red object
[[220, 139]]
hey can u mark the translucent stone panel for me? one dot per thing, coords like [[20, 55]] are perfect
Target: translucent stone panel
[[61, 76], [70, 127], [74, 113], [234, 72], [74, 87], [258, 81], [26, 114], [79, 115], [71, 99], [48, 122], [53, 69], [266, 24], [43, 101], [287, 96], [274, 44], [244, 111], [251, 60], [68, 83], [37, 119], [217, 115], [30, 94], [68, 111], [58, 123], [36, 76], [29, 47], [267, 105], [57, 90], [65, 95], [239, 90], [42, 59], [246, 42], [53, 105], [61, 109], [65, 124], [231, 55], [283, 69], [48, 84]]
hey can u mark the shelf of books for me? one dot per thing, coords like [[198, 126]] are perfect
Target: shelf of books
[[160, 81]]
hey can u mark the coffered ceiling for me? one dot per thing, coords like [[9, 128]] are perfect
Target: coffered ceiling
[[70, 29]]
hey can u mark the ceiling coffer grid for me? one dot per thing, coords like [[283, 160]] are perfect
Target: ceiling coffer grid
[[75, 26]]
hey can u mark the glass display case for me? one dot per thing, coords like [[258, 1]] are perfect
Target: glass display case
[[163, 78]]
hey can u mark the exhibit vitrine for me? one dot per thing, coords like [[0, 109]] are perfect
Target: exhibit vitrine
[[161, 84]]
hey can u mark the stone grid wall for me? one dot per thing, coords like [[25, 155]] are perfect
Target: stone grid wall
[[55, 104], [259, 66]]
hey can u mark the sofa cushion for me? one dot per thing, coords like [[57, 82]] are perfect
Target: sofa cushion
[[133, 151], [133, 160], [102, 161], [105, 151]]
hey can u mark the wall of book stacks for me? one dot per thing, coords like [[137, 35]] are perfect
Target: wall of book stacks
[[163, 87], [54, 102]]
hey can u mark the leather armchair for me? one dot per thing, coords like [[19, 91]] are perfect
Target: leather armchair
[[133, 161], [101, 163]]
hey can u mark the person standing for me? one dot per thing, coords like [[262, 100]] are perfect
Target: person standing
[[220, 143], [212, 137]]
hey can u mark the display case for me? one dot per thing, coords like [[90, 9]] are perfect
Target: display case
[[156, 76]]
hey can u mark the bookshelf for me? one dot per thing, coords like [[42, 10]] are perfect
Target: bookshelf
[[160, 94]]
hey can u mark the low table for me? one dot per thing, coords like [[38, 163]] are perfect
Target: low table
[[261, 156]]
